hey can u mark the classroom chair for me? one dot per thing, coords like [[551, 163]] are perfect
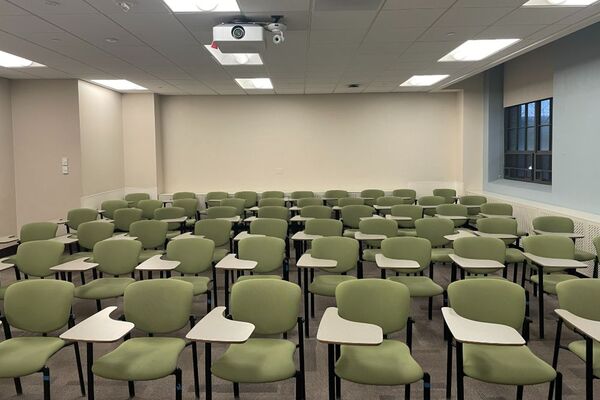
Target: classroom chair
[[334, 195], [78, 216], [370, 195], [406, 193], [414, 212], [110, 206], [153, 236], [134, 198], [449, 195], [351, 216], [124, 217], [430, 204]]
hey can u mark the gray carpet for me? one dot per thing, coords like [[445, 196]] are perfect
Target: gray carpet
[[429, 350]]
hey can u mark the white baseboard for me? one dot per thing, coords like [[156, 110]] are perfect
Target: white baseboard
[[94, 200]]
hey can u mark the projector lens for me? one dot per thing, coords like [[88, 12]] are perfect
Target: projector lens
[[238, 32]]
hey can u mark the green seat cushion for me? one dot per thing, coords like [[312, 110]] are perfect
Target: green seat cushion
[[350, 233], [369, 254], [441, 254], [582, 255], [551, 280], [103, 288], [521, 233], [514, 255], [219, 254], [578, 348], [481, 276], [257, 361], [172, 234], [146, 254], [325, 285], [70, 257], [190, 222], [258, 276], [508, 365], [26, 355], [407, 232], [389, 363], [140, 359], [200, 283], [419, 286]]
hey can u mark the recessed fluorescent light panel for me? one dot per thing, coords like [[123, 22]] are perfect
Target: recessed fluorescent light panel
[[559, 3], [118, 84], [190, 6], [8, 60], [234, 58], [254, 83], [475, 50], [423, 80]]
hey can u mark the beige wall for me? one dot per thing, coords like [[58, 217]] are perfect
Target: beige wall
[[529, 77], [8, 217], [45, 128], [316, 142]]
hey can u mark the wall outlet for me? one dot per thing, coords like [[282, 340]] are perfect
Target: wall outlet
[[65, 170], [64, 161]]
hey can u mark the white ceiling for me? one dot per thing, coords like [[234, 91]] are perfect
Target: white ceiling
[[329, 43]]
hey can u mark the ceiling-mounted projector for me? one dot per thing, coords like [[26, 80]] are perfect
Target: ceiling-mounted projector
[[239, 37]]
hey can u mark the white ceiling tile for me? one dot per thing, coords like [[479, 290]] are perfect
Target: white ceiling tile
[[270, 6], [451, 33], [26, 24], [390, 20], [55, 7], [138, 7], [488, 3], [410, 4], [472, 16], [536, 16], [505, 31], [383, 34], [342, 19], [7, 8]]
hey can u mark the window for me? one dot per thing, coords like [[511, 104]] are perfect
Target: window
[[528, 142]]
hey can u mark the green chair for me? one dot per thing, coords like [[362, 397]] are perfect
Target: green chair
[[219, 231], [273, 227], [250, 198], [124, 217], [195, 256], [389, 201], [272, 307], [334, 196], [406, 193], [324, 227], [562, 225], [413, 249], [429, 201], [110, 206], [309, 201], [191, 210], [371, 195], [271, 201], [156, 307], [78, 216], [434, 230], [35, 307], [88, 234], [351, 216], [277, 212], [385, 304], [214, 198], [183, 195], [449, 195], [272, 194], [496, 209], [351, 201], [407, 228], [507, 226], [153, 236], [37, 231], [375, 226], [148, 207], [173, 228], [117, 258], [302, 194], [134, 198], [480, 248], [268, 252], [236, 203], [513, 364], [322, 212], [473, 201], [221, 212], [453, 211]]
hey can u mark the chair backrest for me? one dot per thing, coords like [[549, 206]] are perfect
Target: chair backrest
[[496, 209], [236, 203], [90, 233], [430, 201], [274, 227], [434, 229], [250, 198], [302, 194], [110, 206], [379, 226], [124, 217], [405, 193], [148, 207], [221, 212], [408, 248], [581, 297], [136, 197], [498, 225], [324, 227], [350, 201], [390, 201], [271, 201], [158, 305], [217, 230], [309, 201], [473, 200], [374, 301], [549, 246], [272, 194], [183, 195], [170, 212], [342, 249], [78, 216], [477, 299], [452, 210], [268, 252], [35, 258], [335, 195], [38, 306], [271, 305], [370, 195], [194, 254], [316, 212], [278, 212], [37, 231], [553, 223], [189, 205], [216, 196], [117, 257], [151, 233], [447, 194], [480, 248], [407, 210], [351, 215]]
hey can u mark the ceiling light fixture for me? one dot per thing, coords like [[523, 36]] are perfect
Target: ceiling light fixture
[[118, 84], [190, 6], [423, 80], [475, 50], [233, 58], [8, 60], [254, 83], [559, 3]]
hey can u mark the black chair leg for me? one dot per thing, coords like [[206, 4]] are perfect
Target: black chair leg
[[208, 301], [520, 392], [449, 368], [98, 305], [207, 373], [430, 309], [131, 386], [236, 390], [558, 386], [426, 386], [312, 305], [18, 387], [196, 377], [406, 392], [298, 385], [46, 378], [555, 356], [79, 368], [178, 385]]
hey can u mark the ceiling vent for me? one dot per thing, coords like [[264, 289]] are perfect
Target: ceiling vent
[[347, 5]]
